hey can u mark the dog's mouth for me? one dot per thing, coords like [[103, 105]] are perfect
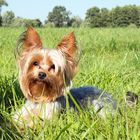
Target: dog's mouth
[[38, 87], [39, 81]]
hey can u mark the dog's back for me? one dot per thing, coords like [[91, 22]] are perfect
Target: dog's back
[[101, 101]]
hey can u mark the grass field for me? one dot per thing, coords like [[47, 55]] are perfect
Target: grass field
[[110, 60]]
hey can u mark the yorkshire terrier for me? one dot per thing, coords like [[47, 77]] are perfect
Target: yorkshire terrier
[[46, 74]]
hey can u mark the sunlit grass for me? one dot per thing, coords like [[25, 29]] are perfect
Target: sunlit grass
[[110, 60]]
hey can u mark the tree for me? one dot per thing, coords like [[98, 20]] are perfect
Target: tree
[[2, 3], [59, 16], [8, 18], [75, 21], [117, 17], [105, 18], [0, 20], [134, 15], [93, 17], [124, 16]]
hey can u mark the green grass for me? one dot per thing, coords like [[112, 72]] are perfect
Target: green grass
[[110, 60]]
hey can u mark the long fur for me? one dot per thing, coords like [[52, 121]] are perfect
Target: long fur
[[101, 101], [64, 58], [44, 75]]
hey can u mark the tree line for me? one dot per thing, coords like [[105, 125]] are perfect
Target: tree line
[[124, 16]]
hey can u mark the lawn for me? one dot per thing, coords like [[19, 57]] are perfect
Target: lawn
[[110, 60]]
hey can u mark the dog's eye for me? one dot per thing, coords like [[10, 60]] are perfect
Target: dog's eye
[[35, 63], [52, 67]]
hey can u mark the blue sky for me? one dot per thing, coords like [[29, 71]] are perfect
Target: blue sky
[[40, 8]]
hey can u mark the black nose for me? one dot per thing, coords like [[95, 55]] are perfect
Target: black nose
[[41, 75]]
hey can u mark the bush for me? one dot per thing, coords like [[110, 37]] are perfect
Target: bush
[[132, 25], [84, 24], [49, 25], [76, 21], [8, 18], [20, 22]]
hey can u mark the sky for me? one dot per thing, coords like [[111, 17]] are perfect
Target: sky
[[40, 8]]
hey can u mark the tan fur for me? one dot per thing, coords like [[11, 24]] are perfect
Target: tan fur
[[59, 65], [32, 40]]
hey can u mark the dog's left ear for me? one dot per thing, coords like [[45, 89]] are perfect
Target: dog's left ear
[[69, 49], [67, 45]]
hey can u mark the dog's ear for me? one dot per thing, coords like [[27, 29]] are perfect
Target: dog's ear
[[67, 45], [71, 52], [32, 39], [29, 40]]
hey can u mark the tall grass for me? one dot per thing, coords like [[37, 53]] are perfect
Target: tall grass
[[110, 60]]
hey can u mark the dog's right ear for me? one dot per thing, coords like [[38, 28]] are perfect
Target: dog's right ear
[[29, 40], [32, 39]]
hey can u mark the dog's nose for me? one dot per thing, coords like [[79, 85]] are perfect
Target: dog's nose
[[41, 75]]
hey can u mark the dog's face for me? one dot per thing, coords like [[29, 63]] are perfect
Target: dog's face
[[44, 73]]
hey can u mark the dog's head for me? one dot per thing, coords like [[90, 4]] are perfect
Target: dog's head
[[45, 73]]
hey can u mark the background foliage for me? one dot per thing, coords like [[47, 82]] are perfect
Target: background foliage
[[125, 16], [110, 60]]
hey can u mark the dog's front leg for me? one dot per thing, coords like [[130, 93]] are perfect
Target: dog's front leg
[[25, 116]]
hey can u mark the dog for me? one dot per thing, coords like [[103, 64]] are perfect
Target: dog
[[45, 77]]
